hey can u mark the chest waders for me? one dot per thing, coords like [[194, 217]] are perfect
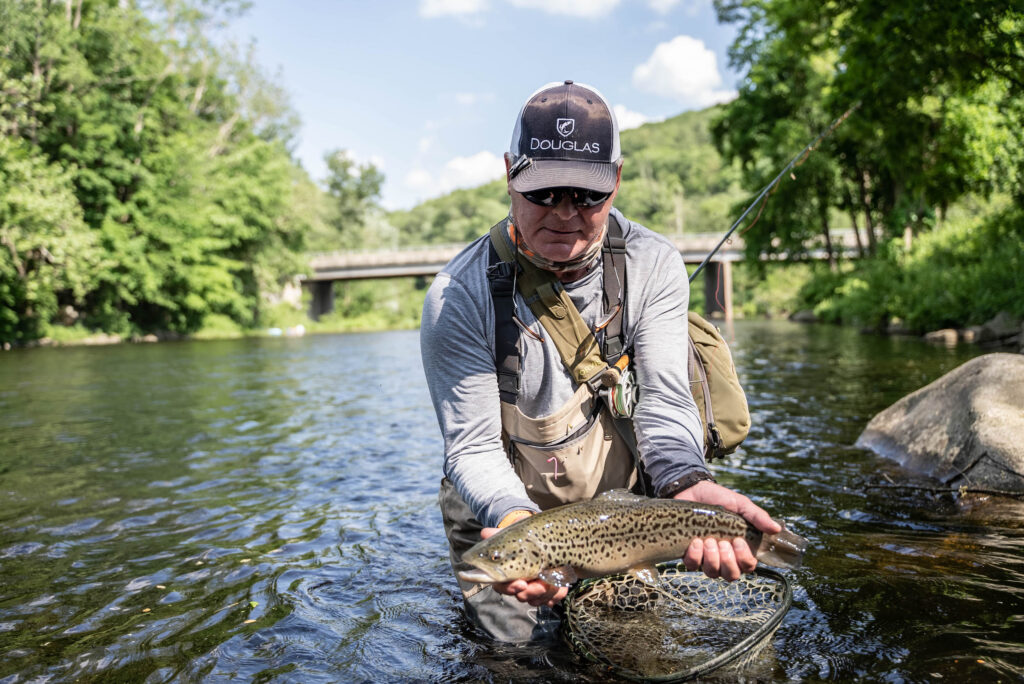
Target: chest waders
[[584, 447]]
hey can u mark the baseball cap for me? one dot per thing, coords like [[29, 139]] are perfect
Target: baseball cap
[[566, 136]]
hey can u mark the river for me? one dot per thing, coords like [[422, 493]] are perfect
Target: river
[[265, 510]]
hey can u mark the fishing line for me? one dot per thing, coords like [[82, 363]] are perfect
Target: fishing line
[[770, 188]]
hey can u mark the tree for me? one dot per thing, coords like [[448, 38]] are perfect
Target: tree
[[353, 190]]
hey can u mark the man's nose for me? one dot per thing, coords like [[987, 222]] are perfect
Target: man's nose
[[565, 209]]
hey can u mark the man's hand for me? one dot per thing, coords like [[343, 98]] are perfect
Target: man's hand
[[535, 592], [723, 557]]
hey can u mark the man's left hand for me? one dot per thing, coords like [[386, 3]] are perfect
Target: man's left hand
[[725, 558]]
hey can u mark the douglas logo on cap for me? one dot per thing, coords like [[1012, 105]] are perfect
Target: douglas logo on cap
[[565, 127]]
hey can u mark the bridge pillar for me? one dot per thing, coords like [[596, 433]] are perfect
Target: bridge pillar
[[323, 298], [718, 290]]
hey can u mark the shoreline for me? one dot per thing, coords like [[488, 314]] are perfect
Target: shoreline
[[1002, 333]]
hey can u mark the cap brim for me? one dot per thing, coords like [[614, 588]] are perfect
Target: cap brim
[[556, 173]]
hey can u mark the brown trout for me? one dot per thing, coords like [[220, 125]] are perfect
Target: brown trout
[[615, 532]]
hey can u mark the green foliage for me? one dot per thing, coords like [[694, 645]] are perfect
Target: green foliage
[[146, 183], [460, 216], [374, 305], [46, 250], [353, 190], [940, 110], [963, 273]]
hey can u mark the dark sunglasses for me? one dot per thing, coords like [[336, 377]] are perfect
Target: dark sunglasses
[[552, 197]]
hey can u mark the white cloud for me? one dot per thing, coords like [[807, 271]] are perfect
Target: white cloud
[[683, 69], [441, 8], [628, 119], [470, 99], [662, 6], [692, 7], [573, 8], [426, 143], [460, 172]]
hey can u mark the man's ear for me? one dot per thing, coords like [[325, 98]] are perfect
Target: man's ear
[[508, 165]]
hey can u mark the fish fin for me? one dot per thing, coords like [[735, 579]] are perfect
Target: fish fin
[[784, 549], [562, 576], [619, 495], [646, 573]]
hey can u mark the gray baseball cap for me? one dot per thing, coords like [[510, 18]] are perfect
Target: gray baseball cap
[[566, 136]]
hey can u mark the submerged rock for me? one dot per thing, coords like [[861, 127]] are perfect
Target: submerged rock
[[966, 428]]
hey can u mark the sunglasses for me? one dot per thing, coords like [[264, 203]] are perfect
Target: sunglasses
[[552, 197]]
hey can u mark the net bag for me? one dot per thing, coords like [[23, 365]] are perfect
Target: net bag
[[686, 626]]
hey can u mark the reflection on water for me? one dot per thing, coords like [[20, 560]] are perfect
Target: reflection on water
[[265, 509]]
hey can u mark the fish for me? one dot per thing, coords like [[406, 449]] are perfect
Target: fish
[[615, 532]]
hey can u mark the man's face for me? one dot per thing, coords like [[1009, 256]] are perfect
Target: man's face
[[563, 231]]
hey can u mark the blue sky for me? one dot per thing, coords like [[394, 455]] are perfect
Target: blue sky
[[428, 90]]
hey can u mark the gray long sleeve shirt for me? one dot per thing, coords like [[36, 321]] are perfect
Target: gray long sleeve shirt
[[457, 344]]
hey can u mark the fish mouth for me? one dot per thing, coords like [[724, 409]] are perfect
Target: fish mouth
[[476, 576]]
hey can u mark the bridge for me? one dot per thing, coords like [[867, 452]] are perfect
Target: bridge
[[428, 261]]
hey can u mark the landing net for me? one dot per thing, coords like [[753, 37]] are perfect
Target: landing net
[[686, 626]]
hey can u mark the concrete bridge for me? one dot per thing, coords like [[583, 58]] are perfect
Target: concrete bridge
[[428, 261]]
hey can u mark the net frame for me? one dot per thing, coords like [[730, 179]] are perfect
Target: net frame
[[767, 614]]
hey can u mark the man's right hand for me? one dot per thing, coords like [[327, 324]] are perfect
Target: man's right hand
[[536, 592]]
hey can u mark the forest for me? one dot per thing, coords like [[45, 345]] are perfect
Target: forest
[[149, 186]]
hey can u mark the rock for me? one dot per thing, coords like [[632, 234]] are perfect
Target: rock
[[100, 339], [946, 336], [973, 334], [803, 316], [1001, 326], [966, 428]]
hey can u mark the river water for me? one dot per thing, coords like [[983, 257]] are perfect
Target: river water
[[265, 510]]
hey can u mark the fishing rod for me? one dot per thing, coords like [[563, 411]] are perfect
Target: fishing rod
[[768, 188]]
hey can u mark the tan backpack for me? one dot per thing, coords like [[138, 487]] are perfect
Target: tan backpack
[[721, 403]]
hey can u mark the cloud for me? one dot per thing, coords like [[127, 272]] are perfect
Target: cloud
[[470, 99], [460, 172], [691, 7], [628, 119], [573, 8], [662, 6], [683, 69], [442, 8]]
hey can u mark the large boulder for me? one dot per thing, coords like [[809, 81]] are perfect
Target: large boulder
[[966, 428]]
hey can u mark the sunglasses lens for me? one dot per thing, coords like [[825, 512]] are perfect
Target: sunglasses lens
[[589, 198], [550, 197], [545, 197]]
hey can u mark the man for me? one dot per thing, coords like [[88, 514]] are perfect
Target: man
[[539, 435]]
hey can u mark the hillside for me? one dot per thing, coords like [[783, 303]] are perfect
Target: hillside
[[673, 180]]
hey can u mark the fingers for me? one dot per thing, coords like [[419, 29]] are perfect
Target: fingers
[[488, 532], [534, 592], [745, 559], [725, 558]]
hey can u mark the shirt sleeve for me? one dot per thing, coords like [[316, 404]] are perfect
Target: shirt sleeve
[[458, 361], [669, 434]]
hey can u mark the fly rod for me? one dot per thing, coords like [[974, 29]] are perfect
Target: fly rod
[[768, 188]]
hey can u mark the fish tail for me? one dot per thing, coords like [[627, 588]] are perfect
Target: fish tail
[[784, 549]]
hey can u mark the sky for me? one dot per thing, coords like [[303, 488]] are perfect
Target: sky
[[428, 90]]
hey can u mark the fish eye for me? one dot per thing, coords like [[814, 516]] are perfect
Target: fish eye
[[496, 555]]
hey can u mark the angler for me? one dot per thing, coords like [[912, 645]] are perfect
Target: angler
[[555, 350]]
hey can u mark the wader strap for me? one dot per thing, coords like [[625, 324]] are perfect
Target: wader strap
[[506, 337], [614, 256]]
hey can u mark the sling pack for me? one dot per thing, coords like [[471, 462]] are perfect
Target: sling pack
[[721, 404], [716, 390]]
